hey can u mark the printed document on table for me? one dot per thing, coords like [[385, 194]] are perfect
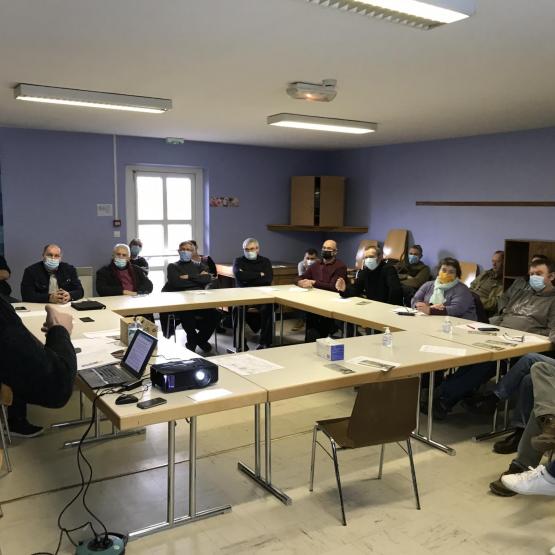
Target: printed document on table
[[369, 362], [112, 334], [94, 352], [442, 350], [299, 289], [209, 394], [29, 313], [245, 364]]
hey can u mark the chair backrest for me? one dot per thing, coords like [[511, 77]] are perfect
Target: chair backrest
[[85, 274], [6, 395], [481, 314], [395, 244], [362, 246], [469, 271], [384, 412]]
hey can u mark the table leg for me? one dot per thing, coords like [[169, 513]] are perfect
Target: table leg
[[255, 475], [281, 324], [427, 439], [193, 515]]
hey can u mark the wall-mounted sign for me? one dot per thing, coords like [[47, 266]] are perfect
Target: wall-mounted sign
[[224, 202]]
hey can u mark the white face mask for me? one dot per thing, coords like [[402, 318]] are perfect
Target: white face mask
[[310, 262], [371, 263]]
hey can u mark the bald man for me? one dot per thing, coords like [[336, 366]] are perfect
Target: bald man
[[323, 274]]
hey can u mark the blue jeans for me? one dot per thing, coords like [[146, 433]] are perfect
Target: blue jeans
[[465, 381]]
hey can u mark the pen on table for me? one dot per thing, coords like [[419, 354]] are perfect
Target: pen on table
[[471, 327], [90, 364]]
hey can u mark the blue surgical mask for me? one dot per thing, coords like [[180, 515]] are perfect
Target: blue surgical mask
[[185, 256], [51, 264], [371, 263], [120, 263], [413, 259], [537, 283], [135, 251], [310, 261], [250, 255]]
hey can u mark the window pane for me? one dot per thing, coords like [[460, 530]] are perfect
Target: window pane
[[160, 261], [158, 278], [152, 236], [179, 198], [178, 233], [150, 199]]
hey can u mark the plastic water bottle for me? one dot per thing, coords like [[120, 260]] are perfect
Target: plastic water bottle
[[447, 327], [387, 338], [132, 328]]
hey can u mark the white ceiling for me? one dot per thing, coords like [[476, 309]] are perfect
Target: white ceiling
[[225, 64]]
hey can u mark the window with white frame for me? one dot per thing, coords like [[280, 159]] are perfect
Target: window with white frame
[[164, 208]]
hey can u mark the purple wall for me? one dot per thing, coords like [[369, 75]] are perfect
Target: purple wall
[[385, 182], [52, 181]]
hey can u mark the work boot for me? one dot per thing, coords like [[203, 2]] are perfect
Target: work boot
[[546, 440], [498, 488]]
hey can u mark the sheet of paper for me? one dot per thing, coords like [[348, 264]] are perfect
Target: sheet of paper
[[209, 394], [29, 313], [245, 364], [298, 289], [374, 363], [110, 334], [94, 352], [405, 309], [268, 289], [488, 345], [442, 350]]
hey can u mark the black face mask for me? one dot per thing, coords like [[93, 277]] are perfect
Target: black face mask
[[327, 255]]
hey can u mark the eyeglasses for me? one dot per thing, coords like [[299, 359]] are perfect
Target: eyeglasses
[[514, 338]]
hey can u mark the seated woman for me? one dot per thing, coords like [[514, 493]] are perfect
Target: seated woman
[[446, 295]]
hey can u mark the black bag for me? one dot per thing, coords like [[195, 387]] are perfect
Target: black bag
[[88, 305]]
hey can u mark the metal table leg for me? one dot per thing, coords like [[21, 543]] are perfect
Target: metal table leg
[[427, 439], [281, 324], [193, 515], [266, 481]]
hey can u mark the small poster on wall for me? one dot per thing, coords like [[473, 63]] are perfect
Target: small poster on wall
[[224, 202]]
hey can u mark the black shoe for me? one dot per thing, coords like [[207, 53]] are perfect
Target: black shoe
[[206, 347], [191, 346], [440, 410], [485, 404], [22, 428], [497, 487], [259, 347], [508, 444]]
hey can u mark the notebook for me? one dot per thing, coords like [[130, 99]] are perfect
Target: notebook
[[130, 369]]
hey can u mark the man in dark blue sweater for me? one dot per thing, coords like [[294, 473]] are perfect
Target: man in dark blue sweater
[[252, 270]]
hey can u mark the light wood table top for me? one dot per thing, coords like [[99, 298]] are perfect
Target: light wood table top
[[304, 372]]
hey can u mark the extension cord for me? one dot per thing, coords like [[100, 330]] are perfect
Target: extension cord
[[114, 546]]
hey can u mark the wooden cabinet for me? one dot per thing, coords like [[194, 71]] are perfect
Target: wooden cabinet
[[517, 256], [317, 200]]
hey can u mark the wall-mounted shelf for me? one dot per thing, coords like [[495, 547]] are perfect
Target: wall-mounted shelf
[[317, 228]]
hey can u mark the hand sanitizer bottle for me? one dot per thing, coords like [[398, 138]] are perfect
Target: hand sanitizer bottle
[[447, 327], [387, 338]]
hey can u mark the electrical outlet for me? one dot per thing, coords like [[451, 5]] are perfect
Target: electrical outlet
[[117, 233]]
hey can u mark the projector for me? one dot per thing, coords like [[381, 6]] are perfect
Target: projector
[[181, 375], [317, 92]]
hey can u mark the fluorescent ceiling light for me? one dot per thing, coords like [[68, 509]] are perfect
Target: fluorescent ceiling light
[[424, 14], [91, 99], [322, 124]]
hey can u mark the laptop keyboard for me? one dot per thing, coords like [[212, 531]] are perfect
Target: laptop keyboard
[[109, 372]]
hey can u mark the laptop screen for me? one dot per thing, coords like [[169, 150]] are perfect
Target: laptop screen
[[138, 353]]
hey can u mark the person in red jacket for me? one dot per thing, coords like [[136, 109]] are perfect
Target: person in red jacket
[[323, 274]]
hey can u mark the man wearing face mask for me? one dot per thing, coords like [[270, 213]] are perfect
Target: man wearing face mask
[[51, 280], [120, 277], [413, 273], [323, 274], [530, 310], [135, 248], [253, 270], [310, 257], [489, 284], [188, 275], [376, 281]]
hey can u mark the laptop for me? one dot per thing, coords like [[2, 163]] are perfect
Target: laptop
[[130, 369]]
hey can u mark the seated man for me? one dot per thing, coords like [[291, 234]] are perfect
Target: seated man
[[38, 374], [120, 277], [538, 437], [376, 281], [310, 257], [253, 270], [323, 274], [413, 273], [5, 272], [205, 259], [530, 310], [51, 280], [517, 285], [489, 284], [187, 275], [135, 248]]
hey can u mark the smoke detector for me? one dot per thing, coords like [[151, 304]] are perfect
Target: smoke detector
[[315, 92]]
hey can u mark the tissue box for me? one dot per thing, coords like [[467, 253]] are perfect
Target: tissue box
[[148, 326], [330, 349]]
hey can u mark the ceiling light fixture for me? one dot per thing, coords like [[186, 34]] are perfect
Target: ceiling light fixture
[[314, 92], [91, 99], [322, 124], [423, 14]]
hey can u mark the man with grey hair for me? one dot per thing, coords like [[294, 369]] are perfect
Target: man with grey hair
[[120, 277], [51, 280], [253, 270]]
